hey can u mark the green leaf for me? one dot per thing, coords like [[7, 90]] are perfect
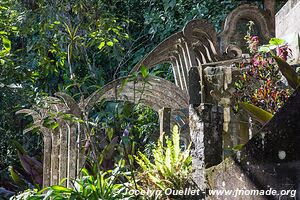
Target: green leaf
[[168, 159], [15, 176], [110, 132], [257, 113], [110, 43], [288, 72], [276, 41], [14, 28], [144, 71], [6, 43], [263, 48], [102, 44], [59, 188], [3, 33], [7, 46], [238, 147], [176, 142], [266, 48]]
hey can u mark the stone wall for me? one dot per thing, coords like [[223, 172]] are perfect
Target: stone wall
[[269, 161], [288, 27]]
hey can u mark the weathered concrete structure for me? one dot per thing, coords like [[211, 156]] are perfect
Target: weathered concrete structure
[[269, 161], [288, 26]]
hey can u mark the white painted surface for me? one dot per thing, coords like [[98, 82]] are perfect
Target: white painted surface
[[288, 26]]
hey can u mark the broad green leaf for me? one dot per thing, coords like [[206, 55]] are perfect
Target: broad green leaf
[[102, 44], [85, 171], [16, 178], [14, 28], [238, 147], [144, 71], [109, 132], [3, 33], [257, 113], [276, 41], [264, 48], [59, 188], [3, 8], [288, 72], [7, 46], [6, 43], [110, 43]]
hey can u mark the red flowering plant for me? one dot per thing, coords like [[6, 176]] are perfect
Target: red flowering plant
[[261, 83]]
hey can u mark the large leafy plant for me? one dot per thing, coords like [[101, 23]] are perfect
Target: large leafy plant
[[293, 80], [170, 168], [108, 185], [261, 89]]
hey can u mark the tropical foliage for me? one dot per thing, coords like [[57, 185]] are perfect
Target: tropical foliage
[[77, 47], [268, 80], [170, 168], [104, 185]]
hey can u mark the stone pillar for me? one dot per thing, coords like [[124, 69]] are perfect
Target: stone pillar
[[236, 128], [164, 122], [206, 129]]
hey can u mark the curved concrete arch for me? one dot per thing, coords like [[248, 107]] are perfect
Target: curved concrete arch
[[249, 12], [202, 36], [157, 93], [181, 50], [168, 45]]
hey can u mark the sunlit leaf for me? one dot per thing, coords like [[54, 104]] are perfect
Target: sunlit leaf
[[16, 178], [7, 46], [257, 113], [14, 28], [238, 147], [266, 48], [3, 33], [110, 43], [144, 71], [288, 72], [102, 44], [59, 188], [276, 41]]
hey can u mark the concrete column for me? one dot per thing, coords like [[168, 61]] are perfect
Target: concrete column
[[206, 129]]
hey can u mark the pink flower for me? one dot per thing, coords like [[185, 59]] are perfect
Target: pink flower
[[283, 52], [254, 39]]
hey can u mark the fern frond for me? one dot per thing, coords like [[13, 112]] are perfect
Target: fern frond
[[144, 162], [158, 160], [168, 159], [156, 181], [176, 143]]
